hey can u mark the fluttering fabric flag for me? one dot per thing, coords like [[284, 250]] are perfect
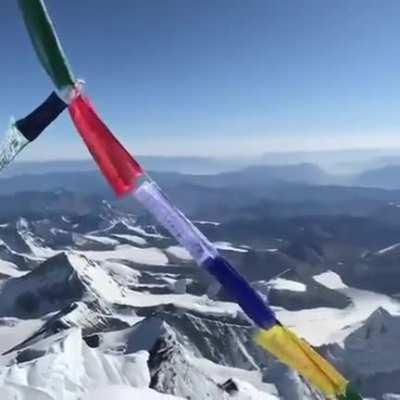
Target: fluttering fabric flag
[[116, 164], [125, 175], [41, 117], [47, 44], [26, 130], [156, 202], [283, 343], [13, 143]]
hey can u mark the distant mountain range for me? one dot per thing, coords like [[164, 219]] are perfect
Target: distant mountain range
[[342, 162], [387, 177], [189, 165], [283, 191]]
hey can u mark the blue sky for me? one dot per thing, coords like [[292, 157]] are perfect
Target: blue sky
[[217, 77]]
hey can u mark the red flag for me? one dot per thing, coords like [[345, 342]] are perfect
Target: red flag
[[117, 165]]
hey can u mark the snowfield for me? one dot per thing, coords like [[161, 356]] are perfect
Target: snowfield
[[102, 239], [286, 284], [179, 252], [229, 247], [132, 238], [327, 325], [330, 279], [9, 269], [148, 256], [126, 393]]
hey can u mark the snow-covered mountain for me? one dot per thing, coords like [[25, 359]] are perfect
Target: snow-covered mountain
[[104, 304]]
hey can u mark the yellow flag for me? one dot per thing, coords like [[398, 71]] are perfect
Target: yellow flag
[[298, 354]]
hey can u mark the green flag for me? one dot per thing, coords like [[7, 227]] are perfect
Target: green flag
[[46, 43]]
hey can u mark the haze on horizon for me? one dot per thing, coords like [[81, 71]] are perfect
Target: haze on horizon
[[220, 79]]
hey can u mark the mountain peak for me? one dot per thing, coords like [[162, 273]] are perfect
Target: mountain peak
[[55, 283]]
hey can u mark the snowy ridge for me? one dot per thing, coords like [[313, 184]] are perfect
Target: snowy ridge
[[68, 368], [57, 282]]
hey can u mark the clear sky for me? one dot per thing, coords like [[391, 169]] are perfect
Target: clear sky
[[217, 77]]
